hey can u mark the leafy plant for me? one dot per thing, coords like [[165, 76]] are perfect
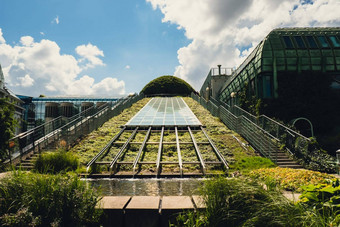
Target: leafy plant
[[242, 202], [324, 199], [28, 199], [291, 179], [56, 162], [7, 126]]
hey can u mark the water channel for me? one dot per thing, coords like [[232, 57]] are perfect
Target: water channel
[[147, 187]]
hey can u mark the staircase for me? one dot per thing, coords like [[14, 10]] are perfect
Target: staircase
[[285, 161], [28, 163]]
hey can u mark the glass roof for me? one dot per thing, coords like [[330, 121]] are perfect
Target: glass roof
[[165, 112]]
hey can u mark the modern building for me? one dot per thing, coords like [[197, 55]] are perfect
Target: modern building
[[43, 109], [292, 73]]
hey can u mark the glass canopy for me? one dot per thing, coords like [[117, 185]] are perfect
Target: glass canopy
[[171, 111]]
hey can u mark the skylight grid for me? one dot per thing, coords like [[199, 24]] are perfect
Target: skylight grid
[[165, 112]]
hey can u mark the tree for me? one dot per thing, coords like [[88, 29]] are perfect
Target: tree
[[7, 126]]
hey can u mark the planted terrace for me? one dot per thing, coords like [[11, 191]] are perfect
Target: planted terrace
[[126, 146]]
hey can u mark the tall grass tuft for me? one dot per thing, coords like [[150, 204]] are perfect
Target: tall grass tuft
[[244, 202], [56, 162], [46, 200]]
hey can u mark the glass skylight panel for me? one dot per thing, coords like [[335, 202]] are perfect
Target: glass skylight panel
[[165, 112]]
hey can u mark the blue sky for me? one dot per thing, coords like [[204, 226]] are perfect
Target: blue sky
[[137, 46], [112, 48]]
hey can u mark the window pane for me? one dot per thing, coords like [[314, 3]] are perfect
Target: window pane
[[300, 42], [334, 41], [311, 42], [323, 41], [288, 42]]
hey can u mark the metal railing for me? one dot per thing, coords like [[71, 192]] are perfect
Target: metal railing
[[65, 131], [263, 133]]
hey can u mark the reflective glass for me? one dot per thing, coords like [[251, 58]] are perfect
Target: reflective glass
[[323, 41], [165, 112], [334, 41], [288, 42], [311, 42], [300, 42]]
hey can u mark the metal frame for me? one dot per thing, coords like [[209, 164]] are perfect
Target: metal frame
[[158, 162], [198, 153], [159, 155], [141, 150], [122, 149]]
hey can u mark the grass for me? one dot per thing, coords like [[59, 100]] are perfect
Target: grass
[[29, 199], [218, 132], [242, 202], [246, 202], [56, 162]]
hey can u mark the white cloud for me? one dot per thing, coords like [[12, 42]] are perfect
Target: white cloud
[[225, 31], [34, 68], [27, 40], [56, 20], [89, 55], [26, 81], [127, 67], [2, 40]]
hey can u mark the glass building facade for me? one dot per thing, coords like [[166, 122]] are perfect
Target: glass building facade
[[284, 50], [43, 107]]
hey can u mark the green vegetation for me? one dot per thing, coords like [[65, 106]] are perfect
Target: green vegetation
[[217, 131], [249, 163], [56, 162], [28, 199], [168, 85], [96, 140], [7, 127], [245, 202], [242, 202], [291, 179], [324, 200]]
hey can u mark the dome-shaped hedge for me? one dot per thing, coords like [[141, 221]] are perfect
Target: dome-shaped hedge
[[167, 85]]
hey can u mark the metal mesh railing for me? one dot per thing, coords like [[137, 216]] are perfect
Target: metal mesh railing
[[262, 132], [66, 131]]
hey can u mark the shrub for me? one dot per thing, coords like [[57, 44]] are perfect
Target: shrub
[[56, 162], [243, 202], [167, 85], [324, 200], [291, 179], [45, 200], [247, 164]]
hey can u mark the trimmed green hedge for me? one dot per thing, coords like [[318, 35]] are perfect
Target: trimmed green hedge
[[167, 85]]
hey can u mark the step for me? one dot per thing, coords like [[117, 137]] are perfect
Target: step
[[295, 166], [287, 162]]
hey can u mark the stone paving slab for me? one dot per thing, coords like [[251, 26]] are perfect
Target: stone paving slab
[[144, 202], [198, 200], [114, 202], [176, 203]]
